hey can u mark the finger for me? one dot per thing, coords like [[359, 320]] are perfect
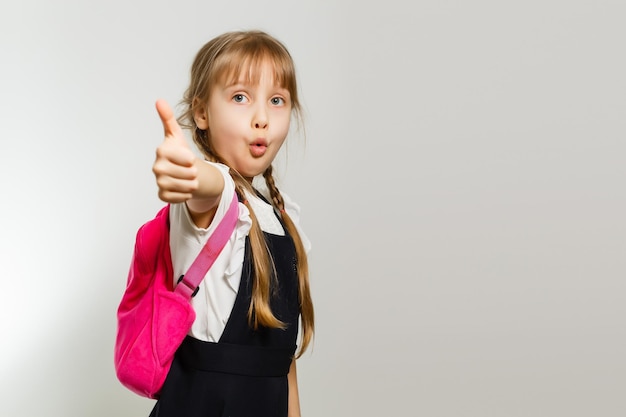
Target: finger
[[164, 168], [172, 197], [174, 190], [174, 185], [170, 125], [176, 154]]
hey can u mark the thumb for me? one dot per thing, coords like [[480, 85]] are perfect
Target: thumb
[[171, 127]]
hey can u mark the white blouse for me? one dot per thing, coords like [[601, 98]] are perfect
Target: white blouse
[[216, 296]]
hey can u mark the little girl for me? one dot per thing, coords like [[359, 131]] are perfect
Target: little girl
[[239, 357]]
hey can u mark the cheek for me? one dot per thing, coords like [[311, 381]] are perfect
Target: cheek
[[222, 118], [283, 125], [223, 127]]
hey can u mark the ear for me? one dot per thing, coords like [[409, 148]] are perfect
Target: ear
[[200, 115]]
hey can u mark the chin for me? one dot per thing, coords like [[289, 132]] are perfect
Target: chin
[[249, 174], [253, 171]]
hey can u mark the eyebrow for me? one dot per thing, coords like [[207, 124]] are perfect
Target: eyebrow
[[240, 84]]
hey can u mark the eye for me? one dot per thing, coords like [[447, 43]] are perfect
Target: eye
[[277, 101], [239, 98]]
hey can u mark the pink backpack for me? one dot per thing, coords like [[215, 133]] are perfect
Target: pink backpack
[[153, 318]]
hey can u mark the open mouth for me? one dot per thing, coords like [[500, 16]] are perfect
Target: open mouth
[[258, 148]]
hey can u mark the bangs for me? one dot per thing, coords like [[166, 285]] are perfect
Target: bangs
[[245, 63]]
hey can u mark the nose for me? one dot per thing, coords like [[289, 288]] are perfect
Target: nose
[[260, 119]]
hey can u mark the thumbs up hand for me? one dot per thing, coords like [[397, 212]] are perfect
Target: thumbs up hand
[[175, 164]]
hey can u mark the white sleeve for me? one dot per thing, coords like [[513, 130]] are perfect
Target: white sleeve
[[293, 210]]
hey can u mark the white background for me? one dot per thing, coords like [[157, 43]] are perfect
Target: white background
[[462, 181]]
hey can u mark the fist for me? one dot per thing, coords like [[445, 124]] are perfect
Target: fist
[[175, 164]]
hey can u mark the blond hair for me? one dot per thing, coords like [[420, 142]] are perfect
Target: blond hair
[[225, 59]]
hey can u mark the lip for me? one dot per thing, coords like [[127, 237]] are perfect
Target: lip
[[258, 147]]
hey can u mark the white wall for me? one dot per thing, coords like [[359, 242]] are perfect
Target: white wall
[[463, 182]]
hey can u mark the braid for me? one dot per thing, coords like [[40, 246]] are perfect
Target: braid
[[259, 312], [306, 304], [277, 199]]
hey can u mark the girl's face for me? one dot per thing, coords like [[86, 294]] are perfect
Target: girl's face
[[247, 123]]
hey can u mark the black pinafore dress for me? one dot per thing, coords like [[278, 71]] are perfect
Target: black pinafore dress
[[244, 374]]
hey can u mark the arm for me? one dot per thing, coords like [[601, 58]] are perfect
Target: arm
[[181, 176], [294, 397]]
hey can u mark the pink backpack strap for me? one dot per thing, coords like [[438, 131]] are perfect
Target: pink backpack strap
[[189, 282]]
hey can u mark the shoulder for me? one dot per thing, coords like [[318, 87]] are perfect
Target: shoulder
[[293, 210], [224, 169], [291, 207]]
